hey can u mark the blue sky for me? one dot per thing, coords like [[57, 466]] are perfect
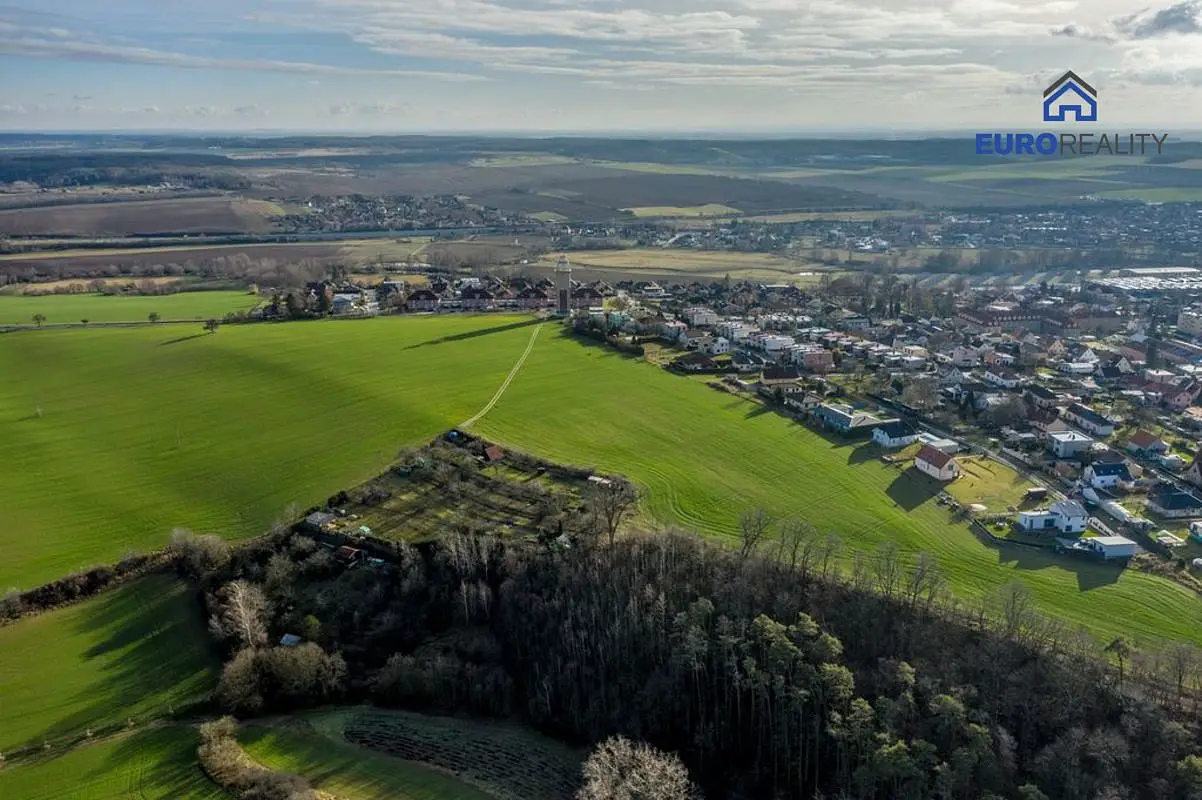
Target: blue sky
[[588, 65]]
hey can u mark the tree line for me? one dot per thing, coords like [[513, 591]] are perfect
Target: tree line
[[770, 672]]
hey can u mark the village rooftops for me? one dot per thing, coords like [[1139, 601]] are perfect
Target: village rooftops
[[1089, 415]]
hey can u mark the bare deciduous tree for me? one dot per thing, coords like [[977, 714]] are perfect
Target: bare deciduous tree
[[620, 769], [754, 525], [242, 615], [611, 503]]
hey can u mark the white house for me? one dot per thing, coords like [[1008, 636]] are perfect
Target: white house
[[894, 434], [1002, 377], [735, 330], [1112, 546], [1066, 516], [1089, 420], [700, 317], [1106, 475], [939, 465], [1077, 367], [965, 357], [1068, 444]]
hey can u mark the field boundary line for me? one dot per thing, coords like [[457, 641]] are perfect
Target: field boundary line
[[508, 380]]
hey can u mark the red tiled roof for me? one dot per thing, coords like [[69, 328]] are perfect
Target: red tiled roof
[[936, 458]]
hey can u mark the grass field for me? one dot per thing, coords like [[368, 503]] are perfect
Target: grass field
[[158, 764], [222, 432], [708, 210], [128, 653], [344, 770], [704, 456], [146, 429], [72, 308]]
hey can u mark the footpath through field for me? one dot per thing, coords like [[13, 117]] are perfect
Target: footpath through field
[[508, 380]]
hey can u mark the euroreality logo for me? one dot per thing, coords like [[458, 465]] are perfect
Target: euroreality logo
[[1070, 99]]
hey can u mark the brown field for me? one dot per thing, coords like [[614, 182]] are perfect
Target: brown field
[[648, 262], [109, 283], [175, 215]]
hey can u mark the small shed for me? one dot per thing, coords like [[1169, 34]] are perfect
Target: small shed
[[348, 555], [493, 454], [289, 640], [1037, 493], [320, 520]]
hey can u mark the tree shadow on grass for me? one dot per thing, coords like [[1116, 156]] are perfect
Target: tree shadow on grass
[[911, 489], [161, 763], [179, 339], [153, 644], [758, 410], [460, 337]]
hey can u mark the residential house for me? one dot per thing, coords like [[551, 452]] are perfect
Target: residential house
[[1169, 501], [700, 317], [815, 359], [691, 338], [894, 434], [939, 465], [1077, 367], [965, 356], [1146, 445], [476, 299], [1112, 546], [999, 359], [1182, 397], [423, 300], [1041, 396], [1194, 473], [1069, 444], [1002, 377], [778, 374], [845, 419], [806, 403], [586, 297], [1066, 516], [1107, 475], [320, 521], [715, 345], [1089, 420], [533, 298], [1084, 355]]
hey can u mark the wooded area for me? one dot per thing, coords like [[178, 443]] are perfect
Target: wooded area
[[768, 672]]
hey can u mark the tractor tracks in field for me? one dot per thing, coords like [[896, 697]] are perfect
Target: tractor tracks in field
[[496, 398]]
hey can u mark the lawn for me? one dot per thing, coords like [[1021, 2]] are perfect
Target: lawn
[[221, 433], [142, 430], [702, 457], [990, 483], [72, 308], [129, 653], [346, 771], [157, 764]]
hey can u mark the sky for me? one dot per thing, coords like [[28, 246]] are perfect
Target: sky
[[656, 66]]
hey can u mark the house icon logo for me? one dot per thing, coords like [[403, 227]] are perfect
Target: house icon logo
[[1070, 93]]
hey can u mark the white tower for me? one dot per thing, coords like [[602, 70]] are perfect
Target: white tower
[[563, 285]]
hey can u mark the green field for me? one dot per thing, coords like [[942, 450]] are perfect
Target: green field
[[129, 653], [222, 432], [158, 764], [142, 430], [704, 456], [72, 308], [348, 772]]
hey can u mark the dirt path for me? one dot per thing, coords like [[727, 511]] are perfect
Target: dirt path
[[508, 380]]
